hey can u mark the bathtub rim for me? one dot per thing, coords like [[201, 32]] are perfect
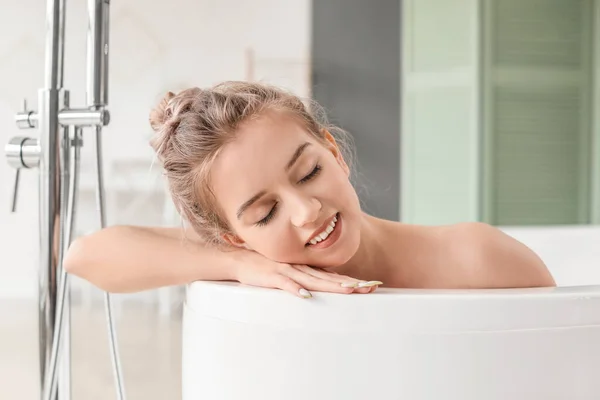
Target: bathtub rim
[[399, 310]]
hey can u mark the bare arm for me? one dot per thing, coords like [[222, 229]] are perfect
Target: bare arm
[[132, 258]]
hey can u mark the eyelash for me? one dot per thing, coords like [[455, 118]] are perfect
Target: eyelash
[[307, 178], [269, 216], [312, 174]]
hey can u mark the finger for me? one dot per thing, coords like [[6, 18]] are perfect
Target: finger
[[315, 283], [289, 285], [365, 290], [359, 286], [326, 275]]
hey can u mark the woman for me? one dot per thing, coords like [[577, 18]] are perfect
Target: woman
[[266, 189]]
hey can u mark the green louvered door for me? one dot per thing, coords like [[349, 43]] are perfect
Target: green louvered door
[[537, 111]]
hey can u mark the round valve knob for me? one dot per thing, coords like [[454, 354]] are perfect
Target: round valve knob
[[21, 152]]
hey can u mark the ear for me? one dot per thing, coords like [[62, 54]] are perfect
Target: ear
[[234, 241], [335, 150]]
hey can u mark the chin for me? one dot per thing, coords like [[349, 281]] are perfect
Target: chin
[[339, 255]]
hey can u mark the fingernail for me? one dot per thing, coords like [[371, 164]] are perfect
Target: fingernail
[[350, 284], [369, 284], [305, 293]]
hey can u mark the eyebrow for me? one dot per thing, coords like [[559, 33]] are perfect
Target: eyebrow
[[296, 155], [260, 194]]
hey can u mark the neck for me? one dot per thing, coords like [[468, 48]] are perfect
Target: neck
[[363, 264]]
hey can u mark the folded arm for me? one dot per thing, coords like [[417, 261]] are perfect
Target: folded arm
[[132, 258]]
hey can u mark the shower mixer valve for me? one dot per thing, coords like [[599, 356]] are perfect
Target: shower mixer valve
[[25, 152]]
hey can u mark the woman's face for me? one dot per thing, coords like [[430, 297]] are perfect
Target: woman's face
[[286, 195]]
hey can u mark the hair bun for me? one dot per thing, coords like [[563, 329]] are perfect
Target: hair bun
[[161, 113], [159, 121]]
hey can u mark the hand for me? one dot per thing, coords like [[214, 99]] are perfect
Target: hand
[[253, 269]]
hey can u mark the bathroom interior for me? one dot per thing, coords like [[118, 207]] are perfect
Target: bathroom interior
[[460, 110]]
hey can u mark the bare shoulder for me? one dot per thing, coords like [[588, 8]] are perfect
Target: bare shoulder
[[476, 238], [471, 231], [489, 257]]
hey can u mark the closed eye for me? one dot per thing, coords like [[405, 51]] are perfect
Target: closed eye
[[269, 216], [312, 174], [316, 170]]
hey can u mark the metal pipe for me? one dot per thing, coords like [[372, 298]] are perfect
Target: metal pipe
[[61, 333], [68, 200], [50, 183], [97, 98], [112, 333], [69, 208], [114, 350], [60, 51], [55, 33], [97, 53], [49, 221], [64, 368], [84, 117], [67, 117], [64, 373]]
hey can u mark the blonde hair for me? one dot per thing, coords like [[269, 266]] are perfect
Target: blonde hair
[[193, 126]]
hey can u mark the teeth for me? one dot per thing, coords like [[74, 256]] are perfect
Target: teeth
[[323, 235]]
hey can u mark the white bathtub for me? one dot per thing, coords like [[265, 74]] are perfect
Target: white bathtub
[[250, 343]]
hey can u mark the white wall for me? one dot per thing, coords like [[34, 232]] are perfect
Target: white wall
[[155, 46]]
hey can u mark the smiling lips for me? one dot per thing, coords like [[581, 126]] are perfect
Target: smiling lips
[[325, 233]]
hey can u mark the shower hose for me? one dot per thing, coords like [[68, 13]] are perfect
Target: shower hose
[[70, 157]]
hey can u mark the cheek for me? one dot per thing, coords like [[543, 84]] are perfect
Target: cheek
[[339, 189], [275, 244]]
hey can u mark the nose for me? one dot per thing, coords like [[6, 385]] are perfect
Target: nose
[[305, 211]]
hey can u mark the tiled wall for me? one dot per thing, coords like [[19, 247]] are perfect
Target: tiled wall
[[155, 46]]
